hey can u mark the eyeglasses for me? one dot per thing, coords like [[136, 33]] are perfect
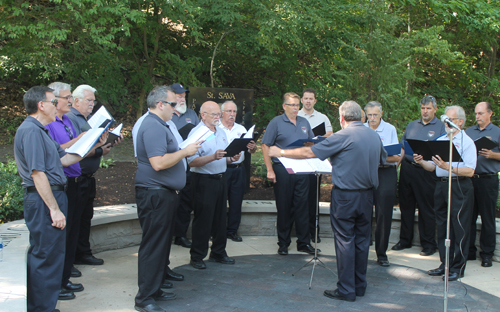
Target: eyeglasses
[[53, 101], [67, 97], [293, 105], [214, 115], [68, 130], [173, 104], [372, 115], [91, 101], [229, 111]]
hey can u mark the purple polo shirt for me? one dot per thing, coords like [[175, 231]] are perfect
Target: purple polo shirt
[[58, 132]]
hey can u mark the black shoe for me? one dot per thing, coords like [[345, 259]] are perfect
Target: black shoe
[[334, 294], [223, 260], [200, 265], [166, 284], [75, 272], [427, 252], [313, 239], [153, 307], [453, 276], [74, 287], [234, 237], [471, 256], [65, 294], [436, 272], [398, 246], [165, 296], [283, 251], [172, 276], [384, 263], [308, 249], [90, 260], [182, 241], [486, 262]]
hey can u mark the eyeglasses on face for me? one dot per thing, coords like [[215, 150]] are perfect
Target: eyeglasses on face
[[68, 130], [230, 111], [214, 115], [53, 102], [173, 104], [67, 97], [293, 105]]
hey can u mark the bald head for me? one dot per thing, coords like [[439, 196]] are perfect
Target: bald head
[[210, 114], [483, 114]]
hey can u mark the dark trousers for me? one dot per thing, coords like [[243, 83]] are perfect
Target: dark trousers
[[183, 212], [290, 191], [74, 192], [416, 187], [351, 215], [209, 204], [462, 201], [384, 197], [155, 209], [312, 203], [88, 195], [46, 252], [485, 204], [235, 181]]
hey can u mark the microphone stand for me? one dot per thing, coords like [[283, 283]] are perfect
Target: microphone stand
[[447, 241], [315, 258]]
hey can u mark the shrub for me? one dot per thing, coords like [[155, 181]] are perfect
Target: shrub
[[11, 193]]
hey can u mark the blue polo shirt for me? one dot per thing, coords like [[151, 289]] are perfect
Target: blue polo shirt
[[59, 131], [417, 130], [189, 116]]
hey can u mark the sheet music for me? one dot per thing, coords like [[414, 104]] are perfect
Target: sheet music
[[202, 133], [312, 165], [249, 134], [86, 142], [99, 117], [117, 131]]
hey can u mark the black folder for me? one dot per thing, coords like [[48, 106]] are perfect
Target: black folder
[[486, 143], [319, 130], [184, 131], [237, 146], [432, 148]]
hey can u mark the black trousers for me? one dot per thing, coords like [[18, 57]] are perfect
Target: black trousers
[[416, 188], [311, 202], [485, 204], [88, 195], [291, 191], [209, 204], [155, 209], [351, 215], [384, 197], [462, 201], [46, 252], [74, 192], [183, 212], [236, 182]]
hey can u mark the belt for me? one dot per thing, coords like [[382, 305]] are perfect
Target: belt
[[90, 175], [32, 189], [217, 176], [387, 166], [446, 179], [414, 164], [156, 188], [484, 175], [76, 179], [235, 166], [354, 190]]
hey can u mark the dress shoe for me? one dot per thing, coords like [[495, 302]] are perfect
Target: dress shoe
[[313, 239], [153, 307], [453, 276], [427, 252], [74, 287], [166, 284], [165, 296], [436, 272], [471, 256], [398, 246], [75, 272], [308, 249], [234, 237], [65, 294], [90, 260], [182, 241], [223, 260], [334, 294], [172, 276], [200, 265], [283, 251], [486, 262], [384, 263]]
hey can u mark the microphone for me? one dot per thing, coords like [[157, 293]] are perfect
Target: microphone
[[451, 124]]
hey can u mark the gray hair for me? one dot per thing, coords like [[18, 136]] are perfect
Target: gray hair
[[33, 96], [374, 104], [460, 112], [78, 92], [226, 102], [428, 99], [350, 110], [58, 87], [158, 94]]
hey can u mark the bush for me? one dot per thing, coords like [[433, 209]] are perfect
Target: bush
[[11, 193]]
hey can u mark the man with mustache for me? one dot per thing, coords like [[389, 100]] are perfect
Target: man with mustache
[[417, 185], [485, 181]]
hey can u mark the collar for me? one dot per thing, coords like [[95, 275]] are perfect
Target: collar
[[286, 119], [77, 113], [157, 118], [488, 127], [433, 121], [201, 122], [34, 121]]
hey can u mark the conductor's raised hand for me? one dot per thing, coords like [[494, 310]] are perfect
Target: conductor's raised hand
[[274, 151], [192, 148], [219, 154]]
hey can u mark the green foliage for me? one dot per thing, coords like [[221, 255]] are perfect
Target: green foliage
[[105, 163], [260, 166], [11, 193]]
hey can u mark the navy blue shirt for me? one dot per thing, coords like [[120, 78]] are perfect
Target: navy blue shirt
[[417, 130], [492, 132], [188, 117]]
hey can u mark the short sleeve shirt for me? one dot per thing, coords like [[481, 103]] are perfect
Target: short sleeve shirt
[[465, 147], [60, 131], [188, 117], [355, 153], [34, 149], [492, 132], [234, 133], [209, 147], [417, 130], [154, 138], [387, 134], [316, 118]]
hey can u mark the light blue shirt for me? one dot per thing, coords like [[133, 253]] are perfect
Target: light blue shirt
[[465, 147], [387, 134], [209, 147]]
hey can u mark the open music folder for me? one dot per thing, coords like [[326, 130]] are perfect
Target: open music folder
[[306, 166]]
